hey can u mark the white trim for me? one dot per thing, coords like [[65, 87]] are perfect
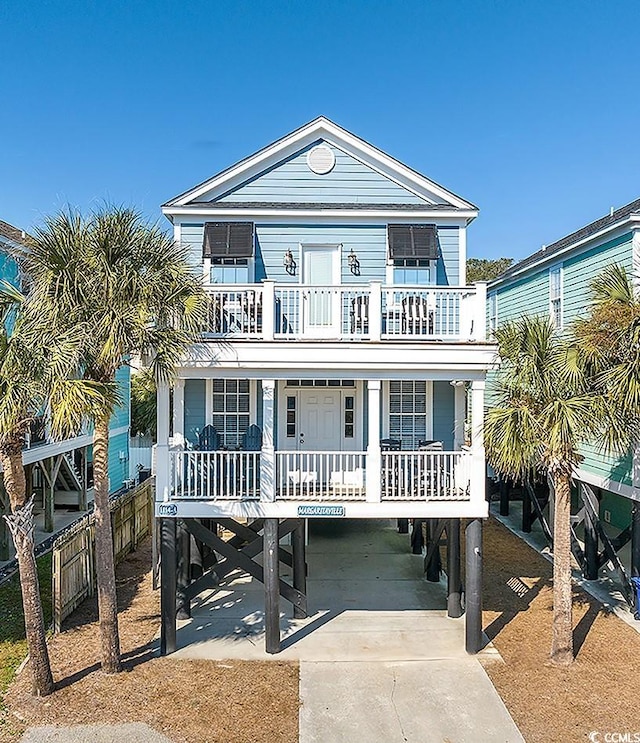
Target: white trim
[[462, 256], [118, 431], [399, 216], [635, 258], [629, 223], [320, 128]]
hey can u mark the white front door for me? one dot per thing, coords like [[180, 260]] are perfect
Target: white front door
[[321, 302], [320, 420]]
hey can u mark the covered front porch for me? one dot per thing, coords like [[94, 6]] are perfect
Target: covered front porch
[[358, 447]]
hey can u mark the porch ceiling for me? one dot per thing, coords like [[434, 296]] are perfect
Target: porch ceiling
[[330, 360]]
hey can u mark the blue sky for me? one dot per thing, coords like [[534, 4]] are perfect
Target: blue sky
[[528, 109]]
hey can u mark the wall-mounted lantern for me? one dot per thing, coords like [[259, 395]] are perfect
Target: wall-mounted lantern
[[353, 263], [289, 263]]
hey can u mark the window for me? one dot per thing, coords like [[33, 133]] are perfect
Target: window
[[408, 412], [493, 312], [349, 412], [291, 416], [230, 270], [231, 410], [555, 296], [411, 271]]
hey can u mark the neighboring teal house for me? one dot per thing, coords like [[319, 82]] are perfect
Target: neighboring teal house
[[555, 281], [59, 472]]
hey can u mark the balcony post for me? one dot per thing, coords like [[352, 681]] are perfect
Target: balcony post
[[478, 466], [480, 312], [178, 412], [267, 454], [375, 312], [268, 310], [374, 458], [162, 447], [459, 407]]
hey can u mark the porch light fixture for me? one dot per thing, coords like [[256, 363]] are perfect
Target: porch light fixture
[[354, 263], [289, 263]]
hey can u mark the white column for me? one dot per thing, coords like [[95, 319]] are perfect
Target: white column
[[480, 313], [374, 458], [459, 402], [268, 310], [178, 412], [479, 468], [267, 455], [162, 447], [375, 311]]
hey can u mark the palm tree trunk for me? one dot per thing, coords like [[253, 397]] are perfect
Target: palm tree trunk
[[562, 642], [20, 523], [105, 569]]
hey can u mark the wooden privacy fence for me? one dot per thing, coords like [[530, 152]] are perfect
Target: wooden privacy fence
[[73, 552]]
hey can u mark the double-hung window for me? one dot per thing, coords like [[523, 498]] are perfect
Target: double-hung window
[[408, 412], [555, 296], [231, 410]]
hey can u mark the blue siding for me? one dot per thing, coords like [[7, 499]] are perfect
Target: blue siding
[[368, 242], [530, 295], [443, 413], [291, 180], [8, 268], [121, 417], [118, 468], [194, 408]]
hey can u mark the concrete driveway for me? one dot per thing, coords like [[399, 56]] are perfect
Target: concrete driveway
[[379, 659]]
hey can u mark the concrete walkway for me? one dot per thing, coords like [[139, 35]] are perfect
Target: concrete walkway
[[379, 659]]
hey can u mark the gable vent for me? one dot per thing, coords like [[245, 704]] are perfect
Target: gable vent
[[321, 159], [413, 241], [228, 240]]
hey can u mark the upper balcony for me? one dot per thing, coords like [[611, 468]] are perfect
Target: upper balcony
[[355, 312]]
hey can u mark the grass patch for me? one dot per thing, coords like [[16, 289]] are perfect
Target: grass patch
[[13, 646]]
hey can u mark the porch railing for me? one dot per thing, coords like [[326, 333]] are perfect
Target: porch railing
[[426, 475], [320, 476], [215, 475], [271, 311]]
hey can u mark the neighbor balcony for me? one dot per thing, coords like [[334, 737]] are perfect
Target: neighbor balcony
[[351, 312]]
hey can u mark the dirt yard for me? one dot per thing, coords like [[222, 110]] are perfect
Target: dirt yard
[[599, 692], [234, 702], [194, 702]]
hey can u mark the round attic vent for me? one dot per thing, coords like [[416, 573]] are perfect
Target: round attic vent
[[321, 159]]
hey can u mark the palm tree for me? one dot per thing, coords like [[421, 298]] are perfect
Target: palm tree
[[131, 291], [21, 393], [547, 407]]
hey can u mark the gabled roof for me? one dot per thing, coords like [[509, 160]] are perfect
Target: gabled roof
[[614, 219], [322, 128]]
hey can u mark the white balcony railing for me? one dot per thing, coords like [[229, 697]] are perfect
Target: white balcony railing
[[320, 476], [426, 475], [416, 476], [271, 311], [215, 475]]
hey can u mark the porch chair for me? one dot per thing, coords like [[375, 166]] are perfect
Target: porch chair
[[208, 439], [360, 315], [418, 315], [251, 303], [252, 441]]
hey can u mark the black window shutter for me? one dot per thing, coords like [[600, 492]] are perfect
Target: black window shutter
[[228, 240], [413, 241]]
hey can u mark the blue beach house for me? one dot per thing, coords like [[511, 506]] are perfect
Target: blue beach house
[[341, 341]]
